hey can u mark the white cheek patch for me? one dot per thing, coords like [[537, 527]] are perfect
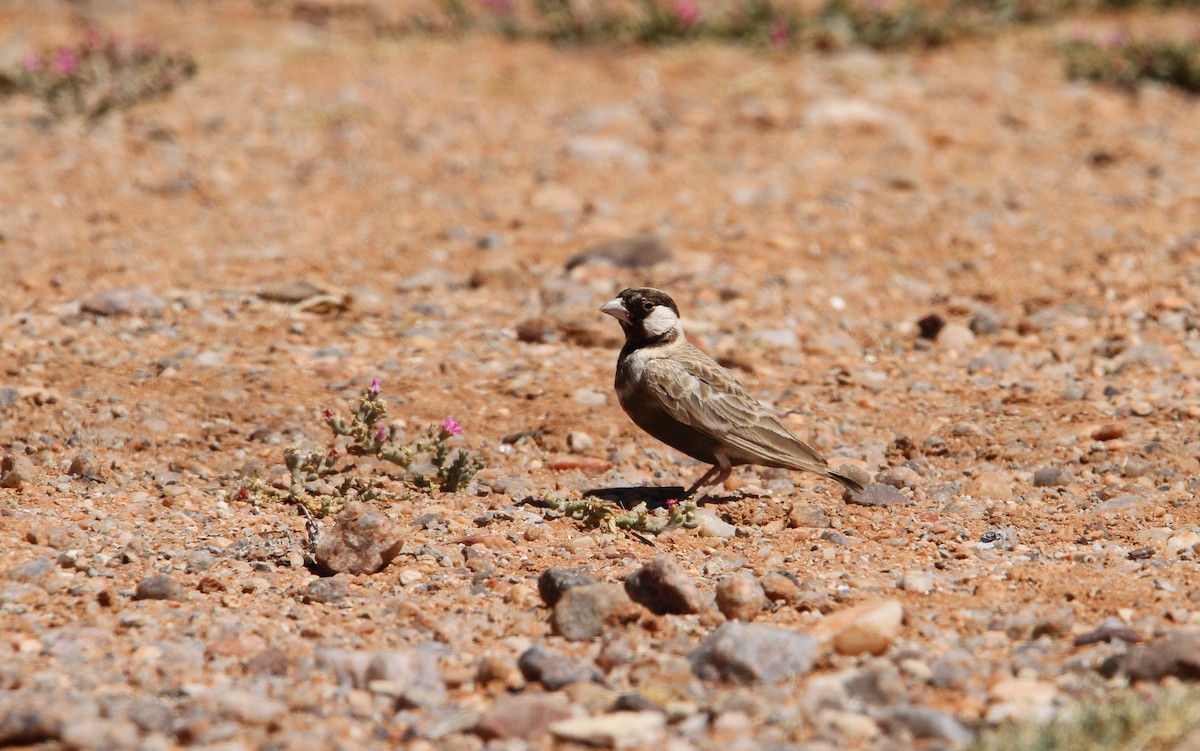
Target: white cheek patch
[[661, 320]]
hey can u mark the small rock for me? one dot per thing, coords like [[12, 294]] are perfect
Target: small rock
[[536, 330], [16, 470], [955, 336], [953, 670], [614, 730], [523, 716], [984, 322], [248, 707], [580, 442], [330, 589], [877, 494], [1021, 700], [899, 478], [753, 653], [128, 301], [158, 587], [497, 668], [1175, 655], [965, 429], [740, 597], [555, 581], [663, 586], [1052, 477], [414, 671], [781, 588], [498, 274], [554, 670], [8, 396], [628, 252], [928, 724], [807, 515], [362, 541], [991, 486], [1109, 432], [920, 582], [1108, 634], [930, 326], [1187, 540], [869, 628], [708, 524], [85, 465], [588, 611], [1135, 467]]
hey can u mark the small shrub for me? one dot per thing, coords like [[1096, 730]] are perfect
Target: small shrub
[[596, 513], [1121, 61], [101, 74]]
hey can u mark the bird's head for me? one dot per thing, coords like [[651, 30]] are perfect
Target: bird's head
[[646, 314]]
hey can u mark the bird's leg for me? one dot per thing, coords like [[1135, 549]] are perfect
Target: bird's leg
[[716, 474]]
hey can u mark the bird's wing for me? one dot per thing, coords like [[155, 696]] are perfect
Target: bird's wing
[[700, 393]]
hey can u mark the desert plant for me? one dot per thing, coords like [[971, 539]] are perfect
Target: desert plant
[[1121, 61], [594, 512]]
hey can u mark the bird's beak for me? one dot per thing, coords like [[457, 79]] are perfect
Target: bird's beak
[[616, 309]]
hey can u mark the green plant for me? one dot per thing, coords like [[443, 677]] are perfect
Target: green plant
[[1121, 61], [101, 74], [317, 484], [596, 513]]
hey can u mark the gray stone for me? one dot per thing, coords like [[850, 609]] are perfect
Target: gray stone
[[807, 515], [579, 442], [984, 321], [523, 716], [1051, 477], [158, 587], [1175, 655], [413, 670], [16, 471], [740, 597], [614, 730], [664, 587], [928, 724], [8, 396], [127, 301], [590, 610], [85, 465], [878, 494], [362, 541], [326, 590], [629, 252], [554, 670], [555, 581], [751, 653]]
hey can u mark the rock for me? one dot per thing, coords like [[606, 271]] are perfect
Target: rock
[[555, 581], [807, 515], [708, 524], [1108, 634], [412, 674], [537, 330], [990, 486], [955, 336], [1175, 655], [928, 724], [869, 628], [362, 541], [664, 587], [554, 670], [16, 470], [781, 588], [920, 582], [85, 465], [614, 730], [1051, 477], [1021, 700], [606, 149], [523, 716], [740, 597], [1179, 542], [248, 707], [984, 322], [579, 442], [158, 587], [753, 653], [899, 478], [877, 494], [930, 326], [330, 589], [26, 720], [8, 396], [953, 670], [498, 274], [1109, 432], [500, 668], [128, 301], [628, 252], [589, 611]]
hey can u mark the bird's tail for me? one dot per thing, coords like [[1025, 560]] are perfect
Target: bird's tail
[[849, 482]]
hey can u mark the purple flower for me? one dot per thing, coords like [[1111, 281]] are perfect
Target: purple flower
[[32, 60], [66, 61], [687, 12], [381, 434], [451, 427], [327, 413], [374, 386]]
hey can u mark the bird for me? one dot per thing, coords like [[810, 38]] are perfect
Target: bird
[[681, 396]]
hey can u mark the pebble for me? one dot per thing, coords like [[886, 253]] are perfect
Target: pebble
[[614, 730], [1180, 542], [869, 628], [579, 442], [919, 582], [807, 515], [629, 252], [708, 524], [928, 327], [588, 611], [16, 470], [1109, 432], [539, 330], [158, 587], [362, 541], [85, 465], [1177, 654], [413, 670], [753, 653], [1021, 700], [984, 322], [925, 723], [898, 477], [955, 336], [740, 597], [663, 586], [553, 582], [1052, 477], [127, 301], [522, 716], [878, 494], [990, 485], [326, 590], [781, 588], [555, 670]]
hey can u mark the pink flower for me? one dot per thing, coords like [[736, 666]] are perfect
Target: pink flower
[[327, 413], [374, 386], [32, 60], [672, 502], [92, 39], [381, 433], [450, 426], [687, 12], [778, 33], [66, 61]]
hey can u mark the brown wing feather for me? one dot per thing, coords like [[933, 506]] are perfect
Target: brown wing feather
[[700, 393]]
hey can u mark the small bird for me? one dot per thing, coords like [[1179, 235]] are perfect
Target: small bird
[[679, 395]]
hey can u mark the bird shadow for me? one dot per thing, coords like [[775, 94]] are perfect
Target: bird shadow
[[653, 496]]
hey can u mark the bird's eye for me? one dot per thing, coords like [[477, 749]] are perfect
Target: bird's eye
[[647, 306]]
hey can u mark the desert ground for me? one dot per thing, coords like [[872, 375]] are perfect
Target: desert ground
[[966, 279]]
